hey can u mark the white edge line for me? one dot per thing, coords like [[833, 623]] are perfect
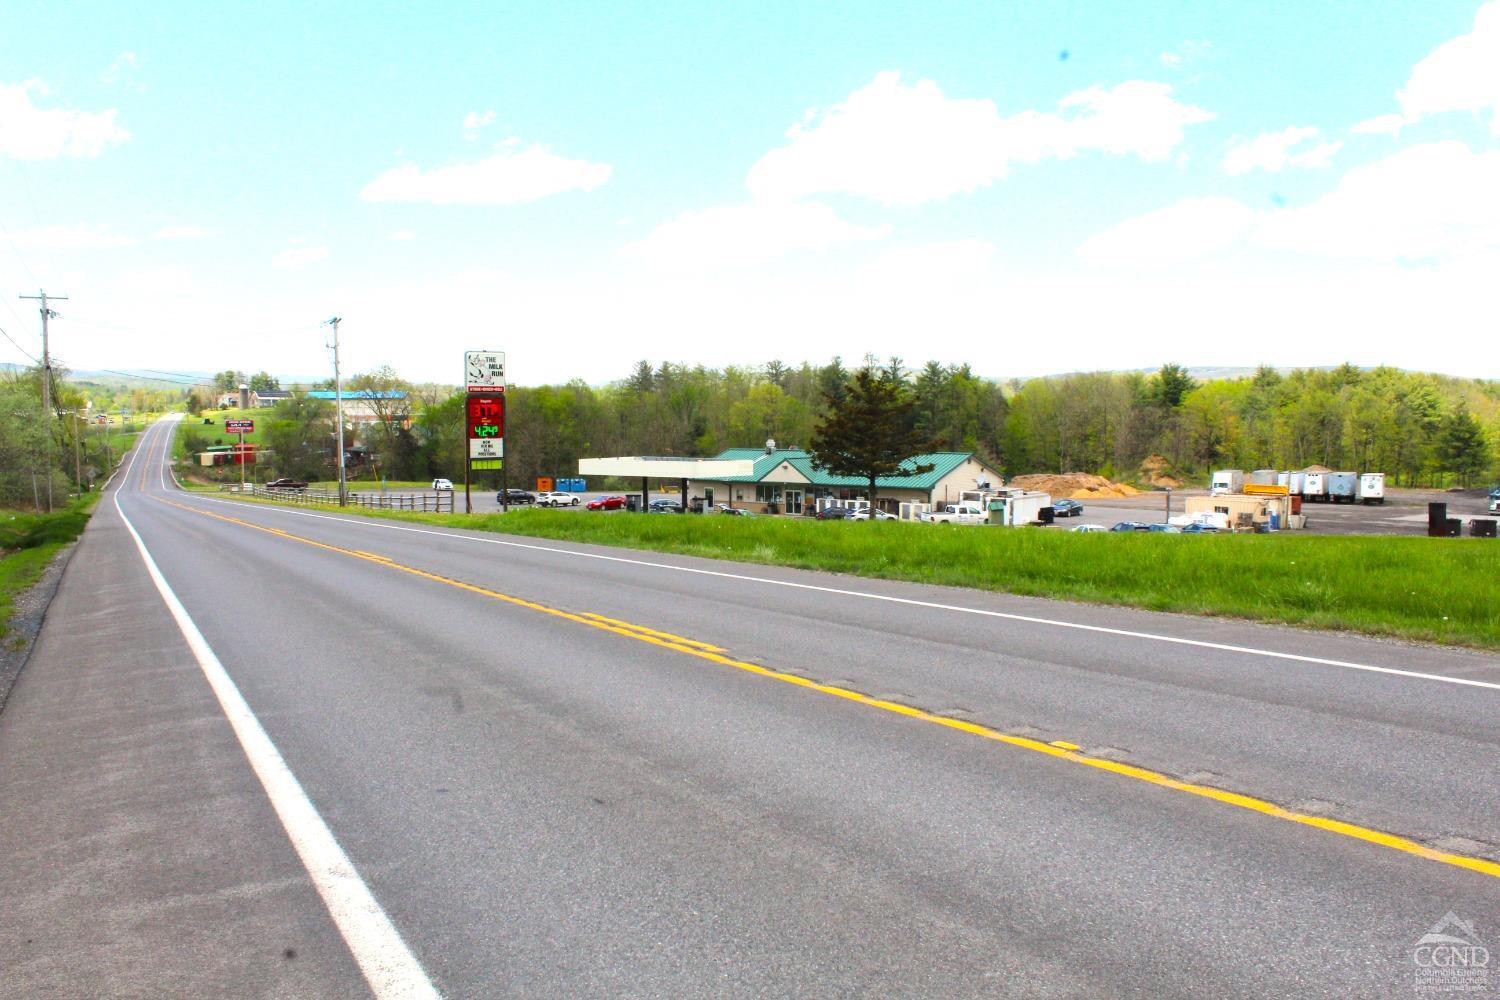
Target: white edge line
[[913, 602], [388, 964]]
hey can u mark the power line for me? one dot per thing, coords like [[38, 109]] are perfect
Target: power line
[[149, 378], [17, 251], [18, 346]]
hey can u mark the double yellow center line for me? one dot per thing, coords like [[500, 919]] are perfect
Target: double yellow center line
[[1059, 749]]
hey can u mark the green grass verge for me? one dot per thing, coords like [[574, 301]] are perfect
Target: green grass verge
[[1435, 590], [28, 542]]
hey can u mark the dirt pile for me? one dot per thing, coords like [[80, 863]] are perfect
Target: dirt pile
[[1076, 485], [1154, 471]]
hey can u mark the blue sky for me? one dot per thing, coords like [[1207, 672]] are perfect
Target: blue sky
[[1032, 188]]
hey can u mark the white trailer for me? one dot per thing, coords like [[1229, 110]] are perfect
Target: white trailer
[[1012, 507], [1226, 481], [1343, 487], [1372, 487], [1315, 486], [1262, 477]]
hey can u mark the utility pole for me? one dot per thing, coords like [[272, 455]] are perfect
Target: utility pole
[[47, 314], [244, 401], [338, 403], [77, 459]]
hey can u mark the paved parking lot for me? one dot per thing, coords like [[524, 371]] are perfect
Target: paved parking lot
[[1403, 513]]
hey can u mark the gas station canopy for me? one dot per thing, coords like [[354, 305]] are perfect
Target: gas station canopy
[[645, 467]]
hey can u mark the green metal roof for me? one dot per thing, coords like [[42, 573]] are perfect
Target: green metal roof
[[942, 462]]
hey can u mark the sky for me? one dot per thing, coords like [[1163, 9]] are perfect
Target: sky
[[1030, 188]]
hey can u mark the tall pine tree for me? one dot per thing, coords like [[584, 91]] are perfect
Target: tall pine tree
[[870, 431]]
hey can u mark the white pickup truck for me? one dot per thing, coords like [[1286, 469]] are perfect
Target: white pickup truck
[[956, 513]]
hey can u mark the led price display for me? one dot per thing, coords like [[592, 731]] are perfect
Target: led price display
[[486, 417]]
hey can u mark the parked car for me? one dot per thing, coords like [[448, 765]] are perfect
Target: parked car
[[555, 498], [1066, 508], [833, 513], [1200, 529], [286, 484], [661, 505], [515, 497], [1164, 529], [613, 502], [724, 508], [441, 484], [863, 514], [1088, 528], [1131, 526]]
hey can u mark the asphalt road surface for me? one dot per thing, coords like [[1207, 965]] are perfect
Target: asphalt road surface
[[304, 754]]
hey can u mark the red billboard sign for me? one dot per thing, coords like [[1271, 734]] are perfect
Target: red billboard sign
[[239, 426]]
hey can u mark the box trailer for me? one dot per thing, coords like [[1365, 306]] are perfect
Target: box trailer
[[1372, 487], [1011, 507], [1315, 486], [1263, 477], [1343, 487], [1226, 481]]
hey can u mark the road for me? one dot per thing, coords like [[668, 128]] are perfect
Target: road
[[363, 757]]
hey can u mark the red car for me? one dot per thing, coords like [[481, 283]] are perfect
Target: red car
[[606, 503]]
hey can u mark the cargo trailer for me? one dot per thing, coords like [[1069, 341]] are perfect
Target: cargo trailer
[[1343, 487], [1226, 481], [1372, 487]]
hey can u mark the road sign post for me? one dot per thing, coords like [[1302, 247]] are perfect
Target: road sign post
[[240, 427], [484, 383]]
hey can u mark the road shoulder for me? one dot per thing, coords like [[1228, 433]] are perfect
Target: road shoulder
[[138, 852]]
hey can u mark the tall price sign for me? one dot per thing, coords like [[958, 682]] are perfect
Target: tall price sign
[[486, 429], [484, 382]]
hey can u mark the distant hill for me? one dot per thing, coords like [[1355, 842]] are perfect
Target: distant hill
[[1203, 373]]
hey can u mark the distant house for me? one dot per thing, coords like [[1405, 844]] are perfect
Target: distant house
[[789, 479], [267, 398], [360, 407]]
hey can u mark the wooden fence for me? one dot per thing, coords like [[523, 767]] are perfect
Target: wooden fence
[[439, 502]]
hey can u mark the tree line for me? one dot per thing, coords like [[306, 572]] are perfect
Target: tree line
[[1419, 428], [42, 460]]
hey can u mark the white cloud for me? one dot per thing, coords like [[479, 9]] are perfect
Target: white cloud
[[749, 233], [474, 120], [180, 233], [901, 144], [1462, 74], [1379, 125], [1187, 52], [1426, 204], [512, 176], [1275, 151], [299, 256], [122, 71], [28, 132], [1435, 200], [1190, 229], [401, 236], [71, 238]]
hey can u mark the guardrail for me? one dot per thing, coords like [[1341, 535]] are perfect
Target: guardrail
[[440, 502]]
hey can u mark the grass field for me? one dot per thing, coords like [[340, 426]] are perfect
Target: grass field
[[1436, 590], [28, 542]]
